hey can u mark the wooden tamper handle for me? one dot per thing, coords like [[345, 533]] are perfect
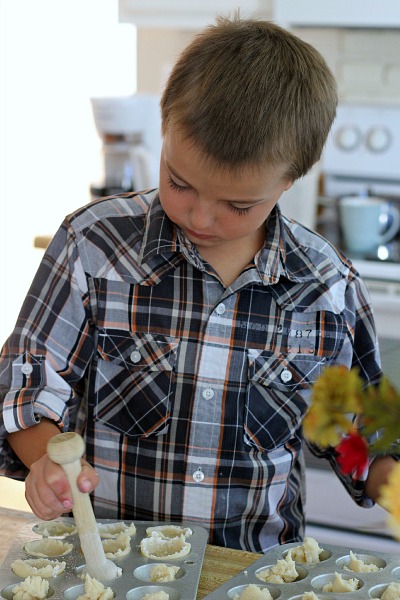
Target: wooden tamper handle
[[66, 449]]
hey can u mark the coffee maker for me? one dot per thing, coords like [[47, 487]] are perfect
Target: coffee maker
[[130, 130]]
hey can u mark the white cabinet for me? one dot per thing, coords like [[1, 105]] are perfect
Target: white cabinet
[[187, 14], [338, 13]]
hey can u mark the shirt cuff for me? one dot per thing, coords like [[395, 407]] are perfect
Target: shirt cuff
[[25, 409]]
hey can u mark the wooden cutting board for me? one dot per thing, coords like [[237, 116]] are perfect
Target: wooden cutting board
[[219, 565]]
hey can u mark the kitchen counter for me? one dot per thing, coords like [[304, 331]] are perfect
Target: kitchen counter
[[219, 565], [11, 521]]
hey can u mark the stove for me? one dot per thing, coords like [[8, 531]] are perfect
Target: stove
[[362, 151], [361, 158]]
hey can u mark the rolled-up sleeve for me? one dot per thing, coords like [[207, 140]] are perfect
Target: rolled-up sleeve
[[43, 362], [361, 352]]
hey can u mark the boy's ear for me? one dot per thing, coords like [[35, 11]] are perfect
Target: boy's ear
[[288, 185]]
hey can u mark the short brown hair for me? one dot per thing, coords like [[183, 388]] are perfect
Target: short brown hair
[[247, 92]]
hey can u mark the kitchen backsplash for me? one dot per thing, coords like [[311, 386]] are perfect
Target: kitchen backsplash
[[366, 62]]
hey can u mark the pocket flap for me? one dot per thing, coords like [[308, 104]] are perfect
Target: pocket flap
[[137, 350], [284, 371]]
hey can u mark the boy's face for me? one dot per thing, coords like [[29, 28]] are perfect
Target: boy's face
[[216, 209]]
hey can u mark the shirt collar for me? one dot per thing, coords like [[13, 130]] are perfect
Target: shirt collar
[[160, 235], [283, 255], [163, 242], [280, 256]]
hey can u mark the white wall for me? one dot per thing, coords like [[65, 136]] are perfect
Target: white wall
[[54, 55], [365, 62]]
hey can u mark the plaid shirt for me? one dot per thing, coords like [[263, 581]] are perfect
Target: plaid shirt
[[190, 395]]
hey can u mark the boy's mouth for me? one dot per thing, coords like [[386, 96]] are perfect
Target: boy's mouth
[[201, 236]]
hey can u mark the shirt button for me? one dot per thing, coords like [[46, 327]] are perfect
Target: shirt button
[[136, 356], [221, 308], [198, 475], [26, 368], [208, 393], [286, 376]]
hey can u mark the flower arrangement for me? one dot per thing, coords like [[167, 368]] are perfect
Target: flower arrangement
[[347, 417]]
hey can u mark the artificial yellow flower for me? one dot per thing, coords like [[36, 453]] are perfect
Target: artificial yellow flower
[[339, 390], [336, 396], [345, 416], [390, 499], [322, 428]]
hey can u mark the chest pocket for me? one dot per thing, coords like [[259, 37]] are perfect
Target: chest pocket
[[278, 395], [134, 381]]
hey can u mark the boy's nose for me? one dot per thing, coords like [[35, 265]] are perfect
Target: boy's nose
[[200, 215]]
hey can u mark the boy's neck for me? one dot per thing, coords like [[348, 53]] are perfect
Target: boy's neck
[[230, 260]]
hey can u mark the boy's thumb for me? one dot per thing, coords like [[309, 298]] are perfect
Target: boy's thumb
[[88, 479]]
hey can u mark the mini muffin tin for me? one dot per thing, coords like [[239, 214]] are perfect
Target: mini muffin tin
[[134, 582], [313, 576]]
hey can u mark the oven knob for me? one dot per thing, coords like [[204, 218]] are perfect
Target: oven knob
[[348, 137], [378, 139]]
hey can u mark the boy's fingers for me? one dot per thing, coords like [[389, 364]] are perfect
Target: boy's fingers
[[87, 481], [47, 489], [56, 479], [42, 499], [88, 478]]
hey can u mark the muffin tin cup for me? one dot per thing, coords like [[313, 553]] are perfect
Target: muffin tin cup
[[313, 576], [134, 581]]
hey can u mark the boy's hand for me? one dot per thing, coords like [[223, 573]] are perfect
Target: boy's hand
[[47, 491]]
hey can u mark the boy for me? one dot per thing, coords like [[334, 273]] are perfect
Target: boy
[[180, 330]]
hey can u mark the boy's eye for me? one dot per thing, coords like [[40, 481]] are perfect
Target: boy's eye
[[175, 186], [181, 188], [237, 210]]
